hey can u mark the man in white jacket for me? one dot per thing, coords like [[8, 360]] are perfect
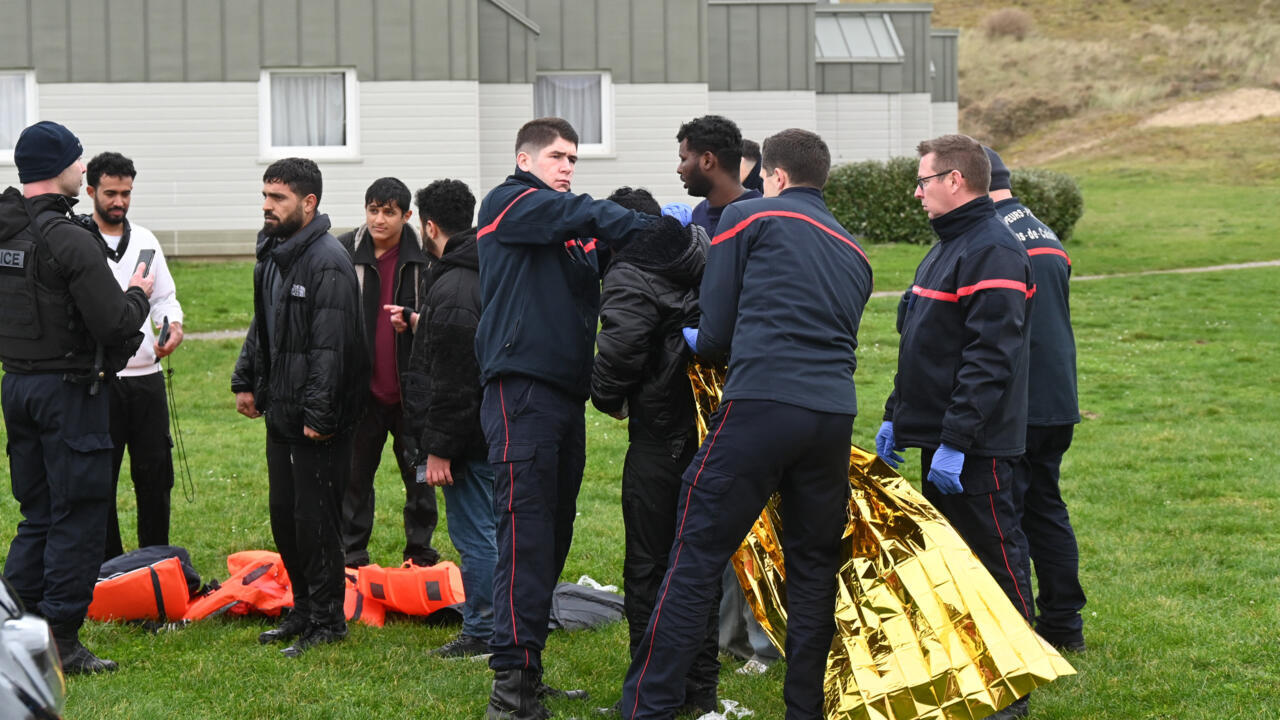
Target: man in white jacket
[[139, 408]]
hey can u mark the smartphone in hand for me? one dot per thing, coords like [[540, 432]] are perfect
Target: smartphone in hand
[[145, 257], [163, 339]]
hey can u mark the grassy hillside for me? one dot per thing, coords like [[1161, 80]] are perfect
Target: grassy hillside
[[1078, 86]]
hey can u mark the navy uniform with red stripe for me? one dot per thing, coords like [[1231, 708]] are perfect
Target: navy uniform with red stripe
[[782, 294], [962, 380], [1052, 413], [540, 294]]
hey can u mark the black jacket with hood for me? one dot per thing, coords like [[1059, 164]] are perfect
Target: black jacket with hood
[[441, 388], [411, 268], [77, 290], [650, 293], [963, 354], [303, 371]]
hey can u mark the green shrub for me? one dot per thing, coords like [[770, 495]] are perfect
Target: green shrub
[[1053, 196], [874, 200]]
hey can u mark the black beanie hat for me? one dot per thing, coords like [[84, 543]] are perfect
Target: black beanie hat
[[44, 150], [999, 171]]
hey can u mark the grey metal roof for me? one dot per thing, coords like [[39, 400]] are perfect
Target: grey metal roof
[[857, 37]]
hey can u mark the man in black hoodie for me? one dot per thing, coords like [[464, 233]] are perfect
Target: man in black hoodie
[[66, 327], [302, 357], [540, 289], [442, 402], [641, 371], [389, 266], [960, 393]]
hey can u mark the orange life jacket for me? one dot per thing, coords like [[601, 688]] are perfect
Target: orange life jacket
[[156, 592], [259, 584], [413, 589]]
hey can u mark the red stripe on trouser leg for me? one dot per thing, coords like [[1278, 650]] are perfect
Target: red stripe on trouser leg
[[1026, 612], [511, 493], [657, 617]]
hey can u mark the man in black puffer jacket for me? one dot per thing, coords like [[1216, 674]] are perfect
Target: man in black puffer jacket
[[651, 292], [442, 395], [302, 358]]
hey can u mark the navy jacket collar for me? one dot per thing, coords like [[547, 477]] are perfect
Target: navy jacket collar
[[964, 218]]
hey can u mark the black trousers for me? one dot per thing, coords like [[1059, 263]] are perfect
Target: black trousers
[[59, 448], [420, 514], [986, 517], [1050, 537], [651, 485], [140, 422], [537, 447], [756, 448], [306, 482]]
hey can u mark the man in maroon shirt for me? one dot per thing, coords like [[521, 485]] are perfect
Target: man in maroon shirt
[[388, 259]]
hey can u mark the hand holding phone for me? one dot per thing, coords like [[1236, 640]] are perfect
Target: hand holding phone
[[163, 339], [144, 258]]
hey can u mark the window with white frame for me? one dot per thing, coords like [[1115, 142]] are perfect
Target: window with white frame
[[585, 100], [17, 108], [312, 113]]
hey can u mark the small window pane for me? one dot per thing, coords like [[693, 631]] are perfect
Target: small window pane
[[13, 109], [308, 109], [575, 98]]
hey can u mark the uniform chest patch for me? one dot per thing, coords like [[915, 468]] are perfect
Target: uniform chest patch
[[298, 291], [16, 259]]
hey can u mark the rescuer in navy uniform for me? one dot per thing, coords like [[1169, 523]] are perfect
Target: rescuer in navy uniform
[[960, 393], [540, 295], [1052, 414], [782, 295], [65, 329]]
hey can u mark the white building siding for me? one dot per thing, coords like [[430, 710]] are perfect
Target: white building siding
[[873, 126], [645, 152], [503, 109], [196, 149], [763, 113], [946, 118]]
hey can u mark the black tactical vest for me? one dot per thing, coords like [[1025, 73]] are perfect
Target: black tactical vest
[[40, 326]]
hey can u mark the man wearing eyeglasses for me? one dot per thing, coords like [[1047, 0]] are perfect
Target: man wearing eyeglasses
[[960, 394]]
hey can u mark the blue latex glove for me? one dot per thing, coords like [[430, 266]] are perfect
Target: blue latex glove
[[886, 444], [679, 211], [944, 473], [691, 338]]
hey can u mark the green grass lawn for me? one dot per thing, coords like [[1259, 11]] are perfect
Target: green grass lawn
[[1170, 481]]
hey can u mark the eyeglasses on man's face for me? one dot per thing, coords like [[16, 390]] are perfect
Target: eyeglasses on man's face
[[922, 181]]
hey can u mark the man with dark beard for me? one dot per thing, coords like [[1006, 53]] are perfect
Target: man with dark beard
[[139, 406], [710, 158], [302, 356]]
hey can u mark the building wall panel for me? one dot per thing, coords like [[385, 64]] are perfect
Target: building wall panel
[[761, 114]]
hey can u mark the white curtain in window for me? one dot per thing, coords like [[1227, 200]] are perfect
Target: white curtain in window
[[13, 109], [308, 109], [575, 98]]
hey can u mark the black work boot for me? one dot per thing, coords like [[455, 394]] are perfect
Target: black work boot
[[316, 635], [76, 658], [515, 696], [1019, 708], [293, 625], [546, 691]]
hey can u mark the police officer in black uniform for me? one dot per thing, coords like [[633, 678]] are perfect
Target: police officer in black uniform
[[65, 329]]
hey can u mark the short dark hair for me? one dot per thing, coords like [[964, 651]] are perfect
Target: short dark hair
[[388, 191], [109, 163], [447, 203], [637, 199], [803, 154], [715, 134], [750, 150], [963, 153], [541, 132], [300, 174]]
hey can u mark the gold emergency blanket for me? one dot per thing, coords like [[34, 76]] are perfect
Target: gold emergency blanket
[[922, 630]]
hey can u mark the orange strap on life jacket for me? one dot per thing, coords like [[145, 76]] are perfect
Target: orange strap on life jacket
[[413, 589], [156, 592], [259, 586]]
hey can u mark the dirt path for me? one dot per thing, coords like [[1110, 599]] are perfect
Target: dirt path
[[239, 334]]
